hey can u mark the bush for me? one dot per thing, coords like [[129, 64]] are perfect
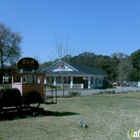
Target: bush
[[113, 92], [137, 91], [105, 92], [101, 92], [74, 93]]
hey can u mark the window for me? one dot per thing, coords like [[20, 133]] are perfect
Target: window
[[39, 79], [29, 79], [96, 80], [16, 79], [100, 81], [92, 80]]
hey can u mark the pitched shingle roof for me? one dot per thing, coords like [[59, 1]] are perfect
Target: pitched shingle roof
[[88, 69], [78, 69]]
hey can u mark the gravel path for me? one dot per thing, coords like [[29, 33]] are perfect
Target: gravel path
[[91, 91]]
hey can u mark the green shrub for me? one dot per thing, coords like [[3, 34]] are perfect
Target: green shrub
[[113, 92], [100, 93], [137, 91], [74, 93], [106, 92], [96, 93]]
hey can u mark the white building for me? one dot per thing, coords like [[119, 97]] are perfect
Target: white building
[[74, 75]]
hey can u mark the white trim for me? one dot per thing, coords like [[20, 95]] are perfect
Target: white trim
[[54, 82], [71, 82], [89, 82]]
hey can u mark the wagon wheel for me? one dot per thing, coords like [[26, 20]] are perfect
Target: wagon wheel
[[33, 99]]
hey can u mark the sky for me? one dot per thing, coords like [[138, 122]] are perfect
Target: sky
[[99, 26]]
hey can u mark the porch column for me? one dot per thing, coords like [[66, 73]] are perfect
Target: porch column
[[101, 84], [89, 82], [54, 82], [71, 82]]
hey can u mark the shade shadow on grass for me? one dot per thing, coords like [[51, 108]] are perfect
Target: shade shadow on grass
[[30, 114], [58, 114]]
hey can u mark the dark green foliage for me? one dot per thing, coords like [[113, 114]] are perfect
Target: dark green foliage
[[113, 92], [104, 92], [74, 93], [135, 59], [45, 65], [10, 50]]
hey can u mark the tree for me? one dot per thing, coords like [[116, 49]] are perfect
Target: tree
[[10, 50], [133, 75], [118, 62], [135, 59], [63, 54], [61, 49], [86, 58], [106, 64], [44, 65]]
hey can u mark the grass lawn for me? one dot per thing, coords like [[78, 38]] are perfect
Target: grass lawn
[[108, 118]]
